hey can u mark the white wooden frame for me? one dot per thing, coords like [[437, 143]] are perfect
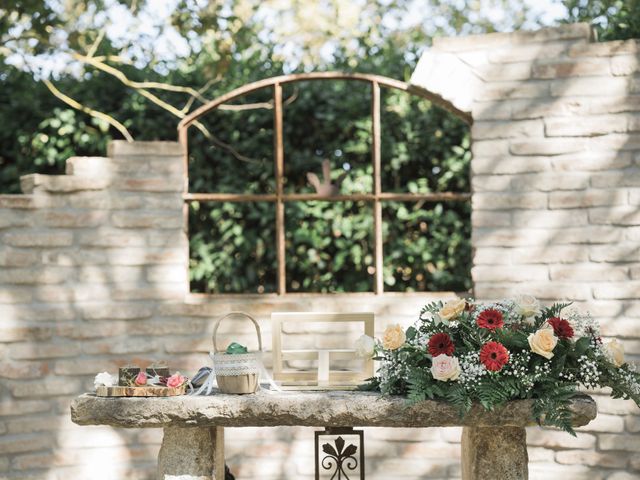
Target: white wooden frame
[[324, 378]]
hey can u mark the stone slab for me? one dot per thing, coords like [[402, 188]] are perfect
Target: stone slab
[[315, 409]]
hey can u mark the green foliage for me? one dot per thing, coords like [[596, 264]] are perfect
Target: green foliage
[[613, 19]]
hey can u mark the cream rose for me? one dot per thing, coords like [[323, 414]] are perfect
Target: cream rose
[[452, 309], [527, 305], [365, 346], [445, 368], [393, 337], [543, 342], [615, 352]]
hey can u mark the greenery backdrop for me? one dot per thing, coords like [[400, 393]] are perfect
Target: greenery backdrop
[[234, 42]]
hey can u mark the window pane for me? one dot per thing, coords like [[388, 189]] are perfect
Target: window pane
[[424, 148], [327, 121], [329, 246], [231, 247], [427, 246], [236, 155]]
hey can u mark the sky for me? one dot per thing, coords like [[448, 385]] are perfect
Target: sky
[[152, 32]]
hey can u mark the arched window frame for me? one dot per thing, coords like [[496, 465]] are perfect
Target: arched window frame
[[280, 197]]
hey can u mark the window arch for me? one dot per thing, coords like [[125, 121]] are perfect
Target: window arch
[[324, 191]]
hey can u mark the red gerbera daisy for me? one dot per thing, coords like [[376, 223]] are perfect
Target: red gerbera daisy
[[561, 327], [440, 343], [490, 319], [494, 356]]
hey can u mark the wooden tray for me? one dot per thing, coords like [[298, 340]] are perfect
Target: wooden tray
[[118, 391]]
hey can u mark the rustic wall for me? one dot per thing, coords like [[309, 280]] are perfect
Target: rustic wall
[[94, 267]]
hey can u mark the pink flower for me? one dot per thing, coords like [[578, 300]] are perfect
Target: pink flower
[[175, 380], [141, 378]]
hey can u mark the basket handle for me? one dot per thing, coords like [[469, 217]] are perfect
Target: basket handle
[[230, 314]]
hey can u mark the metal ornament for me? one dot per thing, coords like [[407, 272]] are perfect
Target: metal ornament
[[340, 459]]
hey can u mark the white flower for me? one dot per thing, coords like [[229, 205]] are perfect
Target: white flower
[[365, 346], [104, 379], [527, 305], [615, 352], [543, 342], [445, 368]]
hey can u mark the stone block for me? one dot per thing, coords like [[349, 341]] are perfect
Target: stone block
[[10, 257], [146, 184], [587, 198], [484, 130], [526, 53], [550, 69], [37, 183], [619, 215], [49, 387], [490, 218], [508, 71], [499, 91], [605, 49], [589, 273], [147, 220], [541, 437], [632, 423], [39, 239], [89, 166], [625, 65], [549, 254], [616, 179], [489, 183], [591, 459], [509, 201], [10, 444], [122, 148], [22, 370], [590, 87], [587, 126], [592, 162], [114, 311], [510, 274], [490, 148], [71, 218], [616, 406], [605, 423], [550, 182], [616, 291], [11, 408], [627, 443], [547, 146], [40, 351], [549, 219], [508, 165]]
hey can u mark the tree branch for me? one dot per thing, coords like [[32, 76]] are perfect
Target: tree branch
[[89, 111]]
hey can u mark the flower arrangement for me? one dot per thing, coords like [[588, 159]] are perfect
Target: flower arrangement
[[464, 351]]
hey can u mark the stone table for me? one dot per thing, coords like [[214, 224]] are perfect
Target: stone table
[[493, 443]]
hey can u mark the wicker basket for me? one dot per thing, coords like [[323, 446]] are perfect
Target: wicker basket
[[236, 373]]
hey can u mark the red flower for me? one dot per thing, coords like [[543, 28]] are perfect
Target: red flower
[[440, 343], [561, 327], [490, 319], [494, 356]]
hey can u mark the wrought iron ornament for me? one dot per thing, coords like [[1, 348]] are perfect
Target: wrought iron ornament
[[340, 459]]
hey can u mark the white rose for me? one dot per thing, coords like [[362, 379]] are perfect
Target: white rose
[[615, 352], [365, 346], [104, 379], [452, 309], [445, 368], [527, 305], [543, 342]]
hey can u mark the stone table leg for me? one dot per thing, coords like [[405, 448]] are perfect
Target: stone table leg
[[494, 453], [191, 454]]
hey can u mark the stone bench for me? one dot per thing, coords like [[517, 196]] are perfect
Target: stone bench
[[493, 443]]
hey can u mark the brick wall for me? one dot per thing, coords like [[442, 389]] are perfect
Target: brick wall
[[94, 267]]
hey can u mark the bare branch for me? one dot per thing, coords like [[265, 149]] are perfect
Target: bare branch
[[89, 111], [94, 47]]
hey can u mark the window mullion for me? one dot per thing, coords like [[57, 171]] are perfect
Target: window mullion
[[377, 187], [278, 147]]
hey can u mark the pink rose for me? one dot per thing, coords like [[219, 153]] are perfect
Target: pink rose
[[175, 380], [141, 378]]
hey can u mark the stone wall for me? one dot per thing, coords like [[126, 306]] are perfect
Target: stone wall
[[94, 267]]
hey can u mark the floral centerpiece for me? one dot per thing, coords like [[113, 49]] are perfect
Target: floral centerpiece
[[464, 351]]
